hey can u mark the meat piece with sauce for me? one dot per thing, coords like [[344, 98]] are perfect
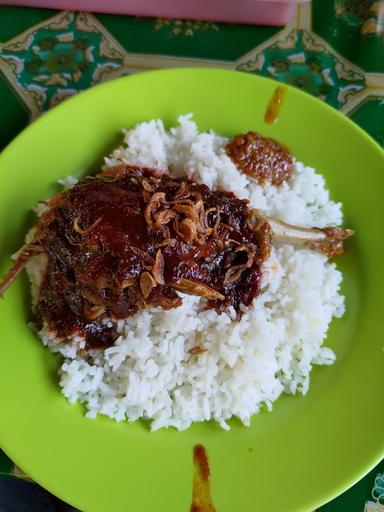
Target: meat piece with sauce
[[132, 238]]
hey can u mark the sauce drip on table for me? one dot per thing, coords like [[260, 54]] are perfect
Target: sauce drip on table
[[274, 106], [201, 490], [132, 238]]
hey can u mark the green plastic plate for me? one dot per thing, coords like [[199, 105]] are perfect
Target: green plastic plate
[[309, 449]]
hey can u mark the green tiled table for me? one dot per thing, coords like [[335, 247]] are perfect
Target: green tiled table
[[333, 49]]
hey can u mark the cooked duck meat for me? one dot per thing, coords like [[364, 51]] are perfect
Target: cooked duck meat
[[132, 238]]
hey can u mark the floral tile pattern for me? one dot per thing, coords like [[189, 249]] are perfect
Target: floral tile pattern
[[60, 57], [354, 28], [367, 16], [377, 505], [305, 61]]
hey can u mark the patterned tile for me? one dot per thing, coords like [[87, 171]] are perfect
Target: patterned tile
[[302, 59], [60, 57], [185, 38], [355, 28], [377, 505], [367, 16]]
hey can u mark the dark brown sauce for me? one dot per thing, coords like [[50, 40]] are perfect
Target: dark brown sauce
[[274, 106], [133, 238], [201, 488]]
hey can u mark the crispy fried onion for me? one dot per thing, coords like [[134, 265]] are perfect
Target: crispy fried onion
[[147, 283], [185, 215], [158, 268], [194, 288], [234, 272], [153, 206]]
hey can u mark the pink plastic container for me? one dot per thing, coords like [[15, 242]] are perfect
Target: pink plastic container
[[257, 12]]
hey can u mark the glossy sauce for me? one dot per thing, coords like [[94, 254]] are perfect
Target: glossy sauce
[[103, 238], [274, 106], [201, 487]]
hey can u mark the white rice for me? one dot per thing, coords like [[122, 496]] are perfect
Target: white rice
[[249, 363]]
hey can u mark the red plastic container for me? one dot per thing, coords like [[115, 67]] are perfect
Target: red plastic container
[[257, 12]]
